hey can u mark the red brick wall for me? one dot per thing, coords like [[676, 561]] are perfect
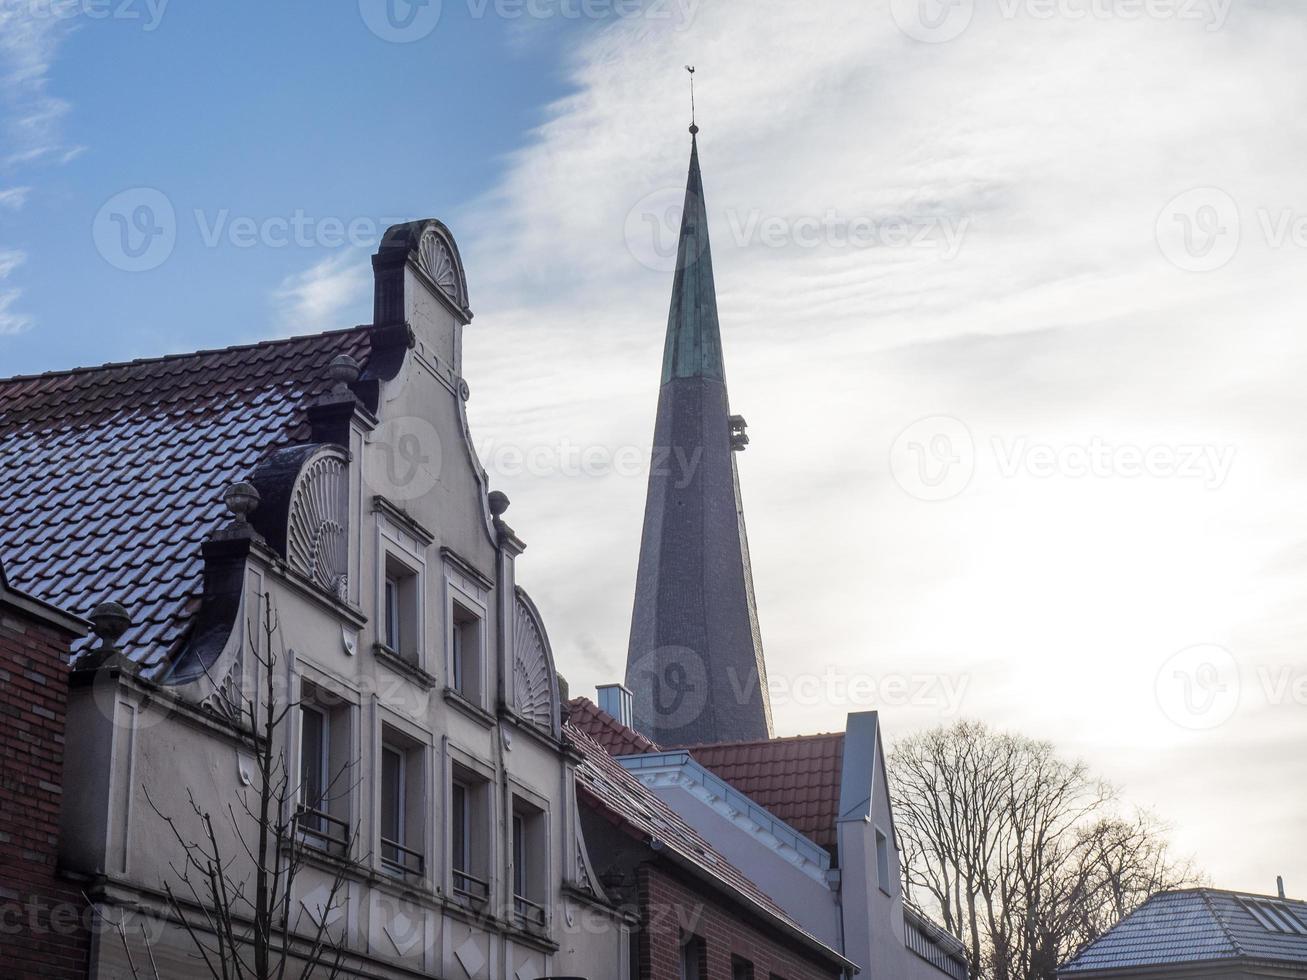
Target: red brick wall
[[672, 909], [43, 918]]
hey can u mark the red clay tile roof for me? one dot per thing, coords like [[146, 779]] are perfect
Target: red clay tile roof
[[602, 779], [610, 733], [114, 475], [797, 779]]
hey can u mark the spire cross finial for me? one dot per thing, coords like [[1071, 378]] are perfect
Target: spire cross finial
[[693, 128]]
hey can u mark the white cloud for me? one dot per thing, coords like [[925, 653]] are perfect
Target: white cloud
[[29, 42], [13, 198], [314, 299], [11, 322], [1061, 142]]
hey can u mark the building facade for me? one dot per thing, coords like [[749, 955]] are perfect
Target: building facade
[[809, 820], [45, 929], [700, 914], [303, 525]]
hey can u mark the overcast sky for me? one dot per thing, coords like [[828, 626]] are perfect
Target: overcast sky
[[1011, 294]]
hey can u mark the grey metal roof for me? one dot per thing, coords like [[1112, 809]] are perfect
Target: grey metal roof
[[1199, 925]]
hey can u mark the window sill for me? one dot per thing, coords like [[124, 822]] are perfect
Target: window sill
[[474, 711], [400, 665]]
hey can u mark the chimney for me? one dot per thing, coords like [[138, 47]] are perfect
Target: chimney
[[1279, 884], [616, 700]]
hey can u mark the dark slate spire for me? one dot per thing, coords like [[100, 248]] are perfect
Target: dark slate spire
[[695, 661]]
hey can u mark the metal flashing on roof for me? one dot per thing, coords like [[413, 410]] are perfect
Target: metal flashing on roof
[[680, 768]]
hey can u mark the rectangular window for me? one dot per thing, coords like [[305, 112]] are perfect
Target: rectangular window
[[469, 818], [323, 812], [519, 855], [882, 863], [694, 956], [402, 812], [465, 652], [400, 615], [459, 855], [392, 793], [313, 757], [530, 853], [392, 612], [741, 969]]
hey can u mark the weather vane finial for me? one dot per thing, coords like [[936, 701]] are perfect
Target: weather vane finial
[[693, 128]]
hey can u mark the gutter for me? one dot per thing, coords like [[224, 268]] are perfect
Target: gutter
[[847, 966]]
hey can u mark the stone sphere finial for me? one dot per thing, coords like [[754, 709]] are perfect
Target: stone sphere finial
[[344, 371], [498, 502], [109, 620], [242, 499]]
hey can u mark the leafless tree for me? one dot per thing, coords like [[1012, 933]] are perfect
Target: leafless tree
[[235, 878], [1025, 855]]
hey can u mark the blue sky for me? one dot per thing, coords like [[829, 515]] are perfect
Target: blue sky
[[247, 110], [1011, 295]]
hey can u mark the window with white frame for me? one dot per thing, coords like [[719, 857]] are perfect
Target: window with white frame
[[400, 613], [530, 850], [466, 632], [322, 815], [469, 819], [402, 810]]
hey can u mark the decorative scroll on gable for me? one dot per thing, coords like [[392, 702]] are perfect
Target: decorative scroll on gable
[[317, 527], [437, 261], [535, 686]]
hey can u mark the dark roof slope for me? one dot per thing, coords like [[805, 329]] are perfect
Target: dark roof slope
[[797, 778], [1199, 925], [114, 475]]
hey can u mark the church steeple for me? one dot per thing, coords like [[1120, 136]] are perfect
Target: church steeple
[[695, 661]]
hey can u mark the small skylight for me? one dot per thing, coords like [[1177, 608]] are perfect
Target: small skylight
[[1275, 916]]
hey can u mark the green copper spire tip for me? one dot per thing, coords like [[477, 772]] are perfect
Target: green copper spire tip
[[694, 343]]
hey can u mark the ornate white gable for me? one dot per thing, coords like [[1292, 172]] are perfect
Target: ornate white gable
[[317, 531], [534, 688]]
